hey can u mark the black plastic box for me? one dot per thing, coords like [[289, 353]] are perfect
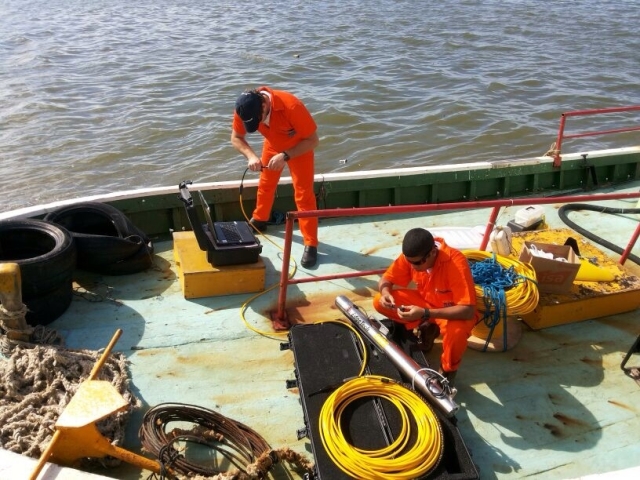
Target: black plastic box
[[217, 255], [325, 355], [231, 255]]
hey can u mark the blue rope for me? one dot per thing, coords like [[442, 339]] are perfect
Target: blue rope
[[494, 280]]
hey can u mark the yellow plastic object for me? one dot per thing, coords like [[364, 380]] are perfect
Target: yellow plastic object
[[94, 400], [589, 272], [76, 435], [586, 300], [198, 278], [10, 280], [11, 299], [561, 309]]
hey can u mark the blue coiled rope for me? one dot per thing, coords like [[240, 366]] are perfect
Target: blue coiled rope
[[495, 279]]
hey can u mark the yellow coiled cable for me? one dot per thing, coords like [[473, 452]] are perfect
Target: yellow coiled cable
[[520, 299], [397, 461]]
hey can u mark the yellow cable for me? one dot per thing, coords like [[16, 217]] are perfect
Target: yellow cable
[[292, 272], [396, 461], [523, 297], [245, 305]]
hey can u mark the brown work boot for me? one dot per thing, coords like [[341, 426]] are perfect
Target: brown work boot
[[427, 335]]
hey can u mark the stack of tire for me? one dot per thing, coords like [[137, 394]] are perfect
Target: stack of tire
[[46, 255], [89, 236]]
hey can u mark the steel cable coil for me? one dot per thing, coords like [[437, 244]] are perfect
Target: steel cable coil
[[236, 442]]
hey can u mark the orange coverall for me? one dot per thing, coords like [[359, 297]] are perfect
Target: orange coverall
[[289, 122], [449, 283]]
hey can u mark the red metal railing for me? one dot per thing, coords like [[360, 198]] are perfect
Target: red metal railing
[[563, 119], [285, 281]]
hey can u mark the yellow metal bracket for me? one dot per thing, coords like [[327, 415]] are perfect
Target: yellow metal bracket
[[77, 436]]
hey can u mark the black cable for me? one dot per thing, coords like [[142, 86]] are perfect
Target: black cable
[[562, 213], [242, 181]]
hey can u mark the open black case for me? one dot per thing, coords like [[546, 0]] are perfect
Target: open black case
[[220, 252], [326, 354]]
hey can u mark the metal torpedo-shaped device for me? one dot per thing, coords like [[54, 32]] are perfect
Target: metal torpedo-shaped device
[[430, 383]]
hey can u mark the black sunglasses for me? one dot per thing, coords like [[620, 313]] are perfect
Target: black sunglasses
[[420, 262]]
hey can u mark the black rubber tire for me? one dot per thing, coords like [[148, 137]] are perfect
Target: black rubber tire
[[45, 309], [46, 254], [106, 240], [99, 251], [94, 218], [138, 262]]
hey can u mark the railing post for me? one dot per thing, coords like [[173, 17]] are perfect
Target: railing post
[[558, 147], [632, 242], [280, 321], [492, 222]]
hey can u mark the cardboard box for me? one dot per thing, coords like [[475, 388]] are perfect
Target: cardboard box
[[198, 278], [554, 276]]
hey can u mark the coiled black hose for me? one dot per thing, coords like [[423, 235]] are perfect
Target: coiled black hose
[[562, 213]]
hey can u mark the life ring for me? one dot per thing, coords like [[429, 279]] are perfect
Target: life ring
[[46, 254], [106, 240]]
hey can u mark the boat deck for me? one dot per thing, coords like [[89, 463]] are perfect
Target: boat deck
[[555, 406]]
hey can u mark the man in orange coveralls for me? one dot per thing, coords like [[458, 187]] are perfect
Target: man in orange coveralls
[[444, 301], [290, 137]]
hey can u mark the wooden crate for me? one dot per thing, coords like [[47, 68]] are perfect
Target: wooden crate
[[198, 278]]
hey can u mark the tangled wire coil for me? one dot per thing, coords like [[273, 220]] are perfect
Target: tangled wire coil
[[241, 446], [396, 461], [504, 285]]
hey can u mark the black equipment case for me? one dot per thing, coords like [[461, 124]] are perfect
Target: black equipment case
[[325, 355], [217, 255]]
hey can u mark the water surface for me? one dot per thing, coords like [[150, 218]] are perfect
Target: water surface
[[97, 96]]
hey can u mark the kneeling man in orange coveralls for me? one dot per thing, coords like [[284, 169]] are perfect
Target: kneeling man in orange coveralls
[[443, 302]]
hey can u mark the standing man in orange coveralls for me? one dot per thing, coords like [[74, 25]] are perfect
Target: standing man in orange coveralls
[[290, 137], [444, 301]]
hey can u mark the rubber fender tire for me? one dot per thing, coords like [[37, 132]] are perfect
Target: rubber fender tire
[[94, 218], [105, 238], [99, 251], [46, 254], [138, 262], [45, 309]]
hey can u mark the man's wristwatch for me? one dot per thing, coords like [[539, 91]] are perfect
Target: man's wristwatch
[[426, 314], [286, 156]]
